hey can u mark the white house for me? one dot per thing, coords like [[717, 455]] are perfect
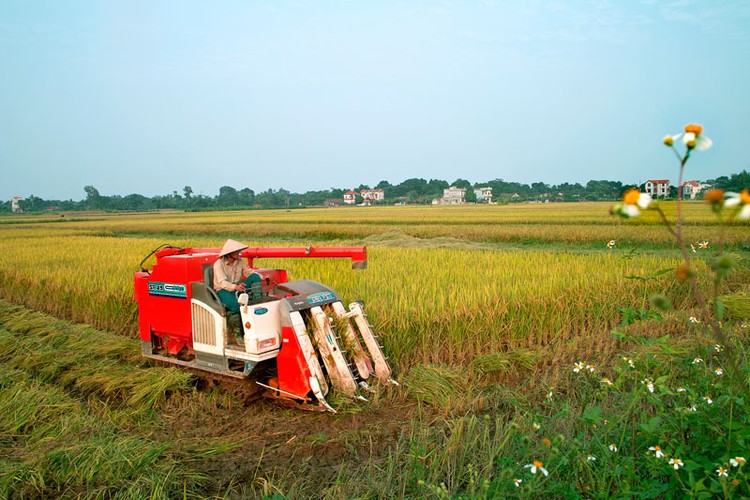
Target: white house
[[483, 194], [658, 188], [15, 207], [350, 197], [373, 194], [454, 196], [691, 189]]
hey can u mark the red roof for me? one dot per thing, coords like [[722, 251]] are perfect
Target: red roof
[[659, 181]]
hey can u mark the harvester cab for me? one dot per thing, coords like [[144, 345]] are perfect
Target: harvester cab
[[295, 339]]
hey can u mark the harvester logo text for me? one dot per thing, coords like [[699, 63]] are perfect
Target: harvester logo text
[[167, 289], [320, 298]]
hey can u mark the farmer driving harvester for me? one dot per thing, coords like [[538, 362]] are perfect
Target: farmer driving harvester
[[232, 275]]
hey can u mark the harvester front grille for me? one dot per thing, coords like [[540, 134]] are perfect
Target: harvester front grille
[[204, 331]]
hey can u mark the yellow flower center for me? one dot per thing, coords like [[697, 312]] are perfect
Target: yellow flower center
[[714, 196], [538, 464], [693, 128], [745, 197], [631, 196]]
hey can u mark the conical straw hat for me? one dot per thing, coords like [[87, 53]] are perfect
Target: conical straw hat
[[231, 246]]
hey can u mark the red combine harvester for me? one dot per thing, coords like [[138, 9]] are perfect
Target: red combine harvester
[[299, 339]]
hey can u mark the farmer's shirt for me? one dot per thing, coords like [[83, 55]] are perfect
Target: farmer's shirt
[[227, 275]]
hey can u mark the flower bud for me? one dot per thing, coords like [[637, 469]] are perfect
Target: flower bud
[[714, 196], [689, 140], [683, 272], [668, 140], [724, 263]]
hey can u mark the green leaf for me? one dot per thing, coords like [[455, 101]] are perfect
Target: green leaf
[[652, 426], [592, 414]]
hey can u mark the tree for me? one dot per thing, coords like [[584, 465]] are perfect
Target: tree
[[227, 196], [462, 183], [435, 187], [187, 191], [735, 183], [93, 198]]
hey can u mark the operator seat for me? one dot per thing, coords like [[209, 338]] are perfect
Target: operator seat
[[204, 291]]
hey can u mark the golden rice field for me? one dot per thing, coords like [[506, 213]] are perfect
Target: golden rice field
[[463, 298], [444, 284]]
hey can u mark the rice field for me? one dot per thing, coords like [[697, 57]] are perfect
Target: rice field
[[462, 297]]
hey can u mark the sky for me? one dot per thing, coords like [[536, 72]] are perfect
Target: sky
[[151, 96]]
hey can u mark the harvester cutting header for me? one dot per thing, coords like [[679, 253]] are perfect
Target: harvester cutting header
[[208, 309]]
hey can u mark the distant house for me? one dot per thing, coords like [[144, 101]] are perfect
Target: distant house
[[454, 196], [15, 205], [483, 194], [332, 202], [691, 189], [510, 196], [350, 197], [658, 188], [372, 194]]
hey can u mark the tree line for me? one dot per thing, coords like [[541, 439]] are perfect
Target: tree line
[[411, 191]]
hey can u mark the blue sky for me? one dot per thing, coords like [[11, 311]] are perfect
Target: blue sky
[[151, 96]]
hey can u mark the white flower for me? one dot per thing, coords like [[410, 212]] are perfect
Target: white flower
[[649, 384], [517, 481], [692, 138], [611, 244], [676, 462], [536, 426], [703, 245], [697, 361], [606, 381], [549, 395], [719, 372], [613, 448], [535, 466], [741, 200], [629, 361], [692, 407], [708, 399], [578, 367], [722, 472], [692, 247], [693, 319], [681, 389], [718, 348], [737, 461], [632, 201], [591, 458], [590, 368], [657, 451]]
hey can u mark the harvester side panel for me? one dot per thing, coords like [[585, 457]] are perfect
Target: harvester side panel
[[297, 360], [164, 297]]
